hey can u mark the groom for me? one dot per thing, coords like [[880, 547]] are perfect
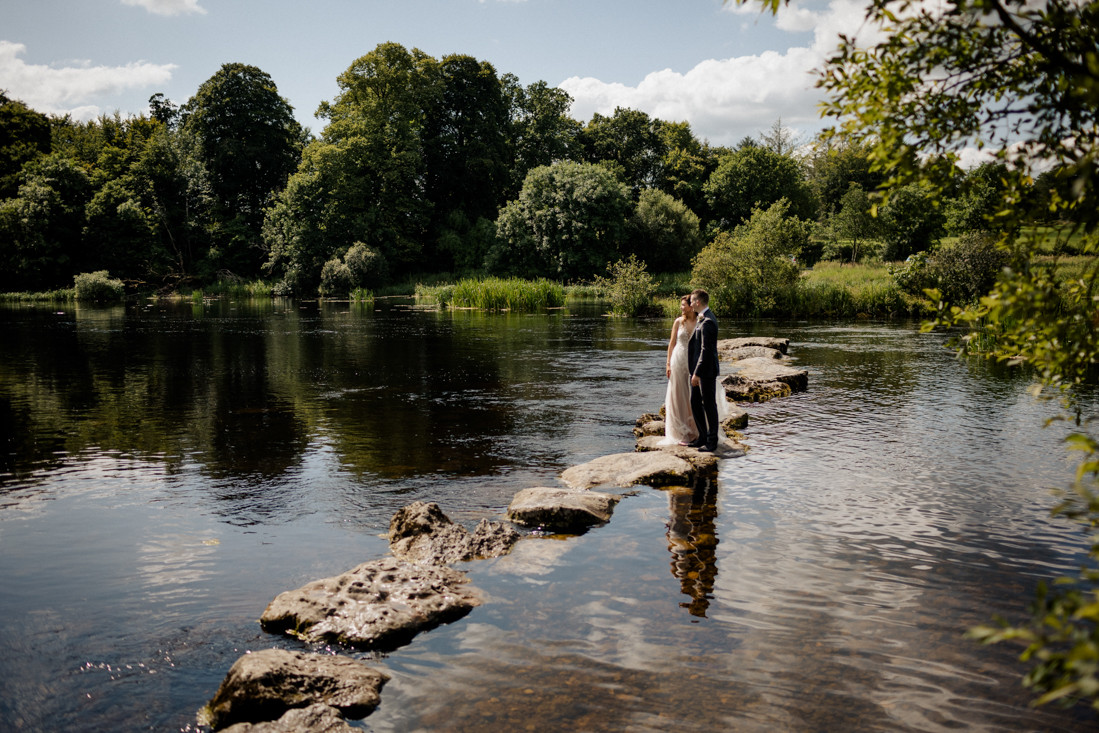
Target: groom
[[702, 361]]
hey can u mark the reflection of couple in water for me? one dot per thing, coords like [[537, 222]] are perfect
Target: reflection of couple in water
[[694, 406], [692, 540]]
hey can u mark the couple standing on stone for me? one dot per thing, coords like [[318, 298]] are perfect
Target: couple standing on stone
[[692, 410]]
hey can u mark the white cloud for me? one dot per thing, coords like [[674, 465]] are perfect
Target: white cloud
[[168, 7], [69, 89], [728, 99]]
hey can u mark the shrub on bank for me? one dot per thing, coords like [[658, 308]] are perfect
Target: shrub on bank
[[630, 288], [97, 287]]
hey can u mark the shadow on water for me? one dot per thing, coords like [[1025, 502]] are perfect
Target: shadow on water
[[168, 469]]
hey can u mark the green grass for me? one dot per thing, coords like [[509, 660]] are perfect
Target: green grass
[[496, 294], [46, 296]]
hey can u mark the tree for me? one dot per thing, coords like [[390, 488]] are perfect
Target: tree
[[664, 232], [466, 156], [40, 228], [1020, 79], [250, 143], [687, 164], [630, 139], [755, 177], [541, 131], [854, 221], [569, 222], [910, 222], [834, 164], [24, 135], [748, 270], [975, 205]]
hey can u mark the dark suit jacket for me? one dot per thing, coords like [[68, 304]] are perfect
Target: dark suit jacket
[[702, 348]]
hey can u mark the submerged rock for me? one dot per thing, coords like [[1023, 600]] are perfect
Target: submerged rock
[[264, 685], [421, 533], [761, 379], [313, 719], [561, 509], [378, 605], [767, 342], [627, 469]]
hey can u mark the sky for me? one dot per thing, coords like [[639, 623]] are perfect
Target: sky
[[729, 71]]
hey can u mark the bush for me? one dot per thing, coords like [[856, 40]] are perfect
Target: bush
[[97, 287], [750, 270], [967, 269], [335, 278], [630, 288], [961, 271], [367, 268]]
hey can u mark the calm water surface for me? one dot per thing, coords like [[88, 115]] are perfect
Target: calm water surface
[[168, 469]]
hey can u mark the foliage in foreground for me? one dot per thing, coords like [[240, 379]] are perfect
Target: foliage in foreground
[[1022, 78]]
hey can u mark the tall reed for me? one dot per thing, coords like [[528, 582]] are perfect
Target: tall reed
[[494, 293]]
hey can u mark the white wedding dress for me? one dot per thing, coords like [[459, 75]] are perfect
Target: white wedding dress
[[679, 423]]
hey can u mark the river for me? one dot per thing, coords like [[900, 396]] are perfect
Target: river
[[171, 467]]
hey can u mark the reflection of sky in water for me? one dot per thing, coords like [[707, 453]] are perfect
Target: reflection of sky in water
[[898, 501]]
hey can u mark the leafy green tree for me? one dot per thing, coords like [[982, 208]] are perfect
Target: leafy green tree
[[630, 139], [834, 165], [976, 204], [1020, 79], [250, 143], [541, 131], [568, 223], [40, 228], [748, 271], [664, 233], [855, 221], [24, 135], [910, 222], [467, 158], [755, 177], [687, 165]]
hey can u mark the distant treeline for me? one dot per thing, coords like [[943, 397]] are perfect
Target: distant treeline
[[424, 166]]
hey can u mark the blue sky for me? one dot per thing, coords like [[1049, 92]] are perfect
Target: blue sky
[[728, 71]]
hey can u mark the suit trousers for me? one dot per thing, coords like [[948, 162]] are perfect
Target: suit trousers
[[704, 409]]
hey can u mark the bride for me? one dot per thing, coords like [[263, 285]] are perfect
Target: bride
[[679, 424]]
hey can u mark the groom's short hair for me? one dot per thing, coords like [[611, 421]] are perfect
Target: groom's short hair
[[701, 296]]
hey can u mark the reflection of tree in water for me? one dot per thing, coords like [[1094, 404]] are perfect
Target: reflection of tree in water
[[692, 540]]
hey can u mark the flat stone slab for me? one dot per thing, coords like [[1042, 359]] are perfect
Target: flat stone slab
[[264, 685], [747, 352], [380, 604], [559, 509], [761, 378], [421, 533], [627, 469], [766, 342], [702, 461], [313, 719]]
